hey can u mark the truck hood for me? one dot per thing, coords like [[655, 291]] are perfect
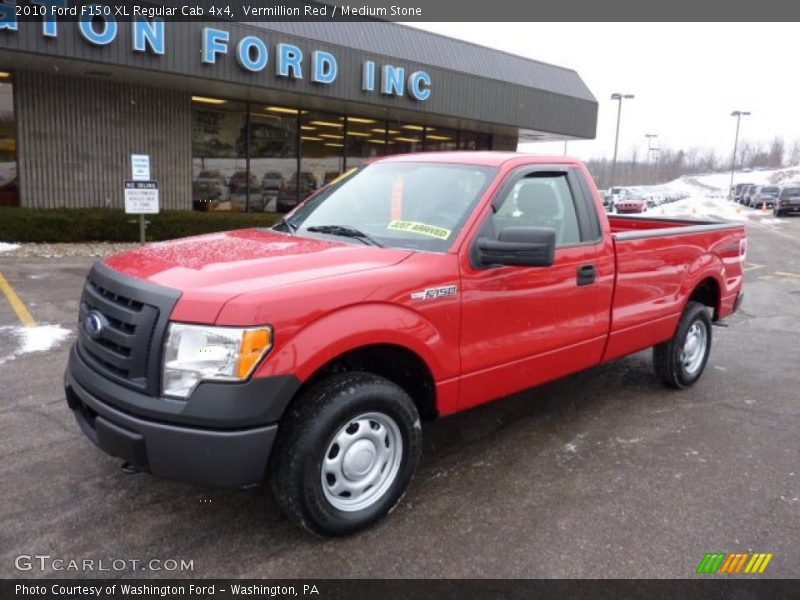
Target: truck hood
[[211, 269]]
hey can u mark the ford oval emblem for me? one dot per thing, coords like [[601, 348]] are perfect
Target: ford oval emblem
[[94, 323]]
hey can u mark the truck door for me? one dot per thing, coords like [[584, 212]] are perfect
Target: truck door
[[522, 325]]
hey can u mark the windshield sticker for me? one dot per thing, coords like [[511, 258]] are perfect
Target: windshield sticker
[[440, 233]]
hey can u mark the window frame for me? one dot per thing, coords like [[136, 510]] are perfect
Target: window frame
[[590, 232]]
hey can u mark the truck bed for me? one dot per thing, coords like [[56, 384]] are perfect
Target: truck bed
[[659, 262]]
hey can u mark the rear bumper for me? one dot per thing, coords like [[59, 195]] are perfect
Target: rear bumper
[[231, 452]]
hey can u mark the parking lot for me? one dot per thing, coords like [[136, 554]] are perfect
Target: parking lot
[[603, 474]]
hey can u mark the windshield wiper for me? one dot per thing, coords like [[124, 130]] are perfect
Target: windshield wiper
[[346, 231]]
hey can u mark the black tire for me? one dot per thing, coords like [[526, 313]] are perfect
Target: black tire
[[304, 436], [667, 356]]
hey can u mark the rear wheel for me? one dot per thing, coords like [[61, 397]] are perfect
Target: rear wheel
[[681, 361], [346, 453]]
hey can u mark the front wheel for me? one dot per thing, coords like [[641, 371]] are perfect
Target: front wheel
[[680, 361], [345, 454]]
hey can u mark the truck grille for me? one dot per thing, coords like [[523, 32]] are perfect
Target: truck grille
[[122, 323]]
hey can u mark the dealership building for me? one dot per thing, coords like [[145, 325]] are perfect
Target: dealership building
[[253, 116]]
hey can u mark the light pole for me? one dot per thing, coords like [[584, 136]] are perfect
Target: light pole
[[619, 98], [656, 156], [650, 137], [738, 114]]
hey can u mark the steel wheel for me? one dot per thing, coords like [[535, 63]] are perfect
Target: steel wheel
[[362, 461], [694, 347]]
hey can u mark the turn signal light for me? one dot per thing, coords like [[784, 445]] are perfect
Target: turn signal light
[[255, 342]]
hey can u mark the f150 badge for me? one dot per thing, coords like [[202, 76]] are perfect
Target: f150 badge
[[437, 292]]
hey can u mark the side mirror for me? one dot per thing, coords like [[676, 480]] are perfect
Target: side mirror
[[519, 246]]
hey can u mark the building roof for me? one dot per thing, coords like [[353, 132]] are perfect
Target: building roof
[[403, 42]]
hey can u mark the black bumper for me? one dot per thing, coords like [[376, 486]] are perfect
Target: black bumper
[[230, 449]]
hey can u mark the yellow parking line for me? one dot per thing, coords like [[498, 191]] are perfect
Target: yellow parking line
[[753, 267], [18, 305], [784, 274]]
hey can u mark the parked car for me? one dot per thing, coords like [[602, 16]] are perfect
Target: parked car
[[272, 181], [749, 194], [291, 195], [239, 181], [631, 204], [738, 191], [209, 186], [308, 354], [764, 195], [787, 200]]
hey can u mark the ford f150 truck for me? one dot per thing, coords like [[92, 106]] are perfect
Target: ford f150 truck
[[308, 354]]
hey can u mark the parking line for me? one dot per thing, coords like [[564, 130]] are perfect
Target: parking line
[[753, 267], [784, 274], [24, 315]]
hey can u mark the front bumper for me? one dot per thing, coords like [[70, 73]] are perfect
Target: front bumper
[[230, 450]]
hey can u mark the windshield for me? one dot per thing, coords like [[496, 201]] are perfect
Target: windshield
[[420, 206], [769, 190], [791, 192]]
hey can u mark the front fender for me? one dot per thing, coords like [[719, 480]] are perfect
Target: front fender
[[352, 327]]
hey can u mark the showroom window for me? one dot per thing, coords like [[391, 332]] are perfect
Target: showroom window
[[365, 139], [321, 150], [273, 155], [404, 137], [219, 155], [9, 185], [260, 157], [471, 140], [440, 140]]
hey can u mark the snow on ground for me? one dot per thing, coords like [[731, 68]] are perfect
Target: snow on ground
[[26, 340], [6, 247], [708, 195]]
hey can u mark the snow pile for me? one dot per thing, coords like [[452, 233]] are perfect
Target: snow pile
[[6, 247], [25, 340]]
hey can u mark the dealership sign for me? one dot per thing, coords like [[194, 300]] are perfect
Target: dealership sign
[[98, 26]]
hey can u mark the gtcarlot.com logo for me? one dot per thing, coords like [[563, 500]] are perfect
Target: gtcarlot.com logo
[[734, 563], [46, 562]]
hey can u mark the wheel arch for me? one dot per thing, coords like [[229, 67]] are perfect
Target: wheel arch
[[387, 340]]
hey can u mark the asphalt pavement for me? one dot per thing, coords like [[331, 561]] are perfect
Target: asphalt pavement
[[602, 474]]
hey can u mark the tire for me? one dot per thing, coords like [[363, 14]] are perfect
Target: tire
[[358, 409], [672, 366]]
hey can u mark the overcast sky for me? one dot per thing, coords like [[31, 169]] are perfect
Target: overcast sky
[[687, 78]]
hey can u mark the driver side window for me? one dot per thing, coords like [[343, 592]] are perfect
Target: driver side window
[[539, 200]]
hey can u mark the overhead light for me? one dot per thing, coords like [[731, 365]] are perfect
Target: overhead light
[[376, 141], [207, 100], [417, 127], [310, 138], [332, 145], [281, 109], [360, 120], [4, 74], [438, 137], [358, 133], [327, 123], [307, 128], [333, 136], [407, 139]]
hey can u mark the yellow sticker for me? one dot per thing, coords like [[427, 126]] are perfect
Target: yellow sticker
[[439, 233]]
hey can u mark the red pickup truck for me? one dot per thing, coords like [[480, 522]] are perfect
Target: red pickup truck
[[417, 286]]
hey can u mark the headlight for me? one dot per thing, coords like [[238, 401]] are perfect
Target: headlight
[[195, 353]]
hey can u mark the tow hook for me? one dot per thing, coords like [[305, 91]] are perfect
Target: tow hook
[[129, 469]]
